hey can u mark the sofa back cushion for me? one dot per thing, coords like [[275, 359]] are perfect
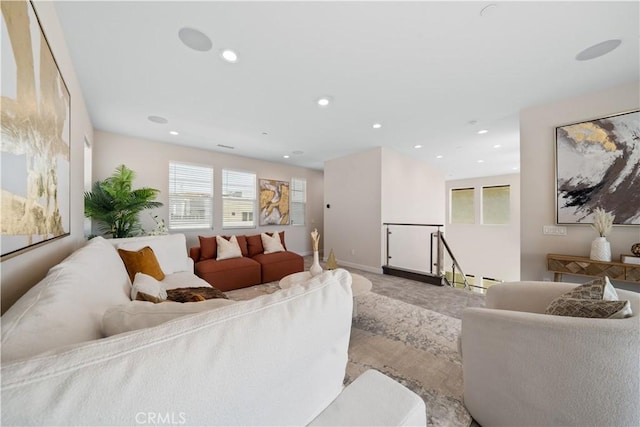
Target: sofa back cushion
[[254, 243], [67, 306], [170, 250]]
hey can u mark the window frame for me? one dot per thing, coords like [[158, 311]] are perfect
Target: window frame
[[292, 190], [208, 199], [482, 205], [228, 198]]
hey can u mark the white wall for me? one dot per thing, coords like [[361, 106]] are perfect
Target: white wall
[[537, 142], [352, 186], [23, 271], [150, 161], [375, 186], [487, 250], [413, 193]]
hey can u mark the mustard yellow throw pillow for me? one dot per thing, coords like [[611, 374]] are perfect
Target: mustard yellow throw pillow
[[142, 261]]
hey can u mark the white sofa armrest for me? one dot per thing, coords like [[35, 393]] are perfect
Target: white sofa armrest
[[532, 297], [374, 399], [534, 369]]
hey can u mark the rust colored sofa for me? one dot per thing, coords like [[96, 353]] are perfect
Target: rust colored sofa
[[253, 268]]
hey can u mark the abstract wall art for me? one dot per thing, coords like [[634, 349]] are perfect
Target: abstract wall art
[[598, 165], [274, 202], [35, 140]]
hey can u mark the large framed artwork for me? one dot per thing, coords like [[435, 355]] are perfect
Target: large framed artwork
[[274, 202], [36, 135], [598, 165]]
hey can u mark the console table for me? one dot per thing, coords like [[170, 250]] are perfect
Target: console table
[[581, 266]]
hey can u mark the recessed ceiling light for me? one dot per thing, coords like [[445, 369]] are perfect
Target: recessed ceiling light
[[229, 55], [417, 146], [173, 132], [195, 39], [483, 131], [480, 161], [286, 156], [377, 125], [497, 146], [488, 9], [324, 101], [597, 50], [157, 119], [439, 156]]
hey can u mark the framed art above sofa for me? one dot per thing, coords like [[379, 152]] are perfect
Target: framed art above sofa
[[598, 165]]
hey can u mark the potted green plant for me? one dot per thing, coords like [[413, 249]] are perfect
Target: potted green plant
[[115, 206]]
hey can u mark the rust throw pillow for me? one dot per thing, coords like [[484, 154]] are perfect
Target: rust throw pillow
[[194, 294], [142, 261]]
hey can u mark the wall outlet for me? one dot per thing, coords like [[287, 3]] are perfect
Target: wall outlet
[[554, 230]]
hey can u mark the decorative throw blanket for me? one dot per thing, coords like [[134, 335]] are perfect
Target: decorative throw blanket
[[194, 294]]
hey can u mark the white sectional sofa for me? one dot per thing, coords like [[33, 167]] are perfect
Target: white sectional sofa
[[279, 359]]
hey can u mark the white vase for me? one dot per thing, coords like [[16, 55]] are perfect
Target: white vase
[[600, 249], [315, 267]]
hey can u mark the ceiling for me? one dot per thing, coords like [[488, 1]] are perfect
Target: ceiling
[[424, 70]]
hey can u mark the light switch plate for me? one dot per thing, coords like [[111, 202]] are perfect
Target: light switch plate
[[554, 230]]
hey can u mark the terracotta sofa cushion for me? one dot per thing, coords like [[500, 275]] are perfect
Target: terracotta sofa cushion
[[230, 274], [277, 265]]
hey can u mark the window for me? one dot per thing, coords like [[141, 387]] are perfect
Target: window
[[496, 204], [238, 199], [87, 180], [190, 196], [298, 200], [462, 208]]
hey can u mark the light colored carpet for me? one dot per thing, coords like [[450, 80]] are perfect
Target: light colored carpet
[[415, 346], [407, 330]]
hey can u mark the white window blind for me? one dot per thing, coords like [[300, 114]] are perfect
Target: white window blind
[[238, 199], [190, 196], [298, 201]]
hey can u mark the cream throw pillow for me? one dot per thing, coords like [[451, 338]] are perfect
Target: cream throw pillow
[[271, 244], [146, 288], [228, 249]]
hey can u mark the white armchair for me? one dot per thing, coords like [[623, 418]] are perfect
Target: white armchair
[[523, 367]]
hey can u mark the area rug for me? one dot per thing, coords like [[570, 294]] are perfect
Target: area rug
[[415, 346]]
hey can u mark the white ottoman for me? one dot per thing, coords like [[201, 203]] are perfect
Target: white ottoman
[[374, 399]]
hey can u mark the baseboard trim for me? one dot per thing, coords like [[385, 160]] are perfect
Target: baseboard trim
[[358, 266]]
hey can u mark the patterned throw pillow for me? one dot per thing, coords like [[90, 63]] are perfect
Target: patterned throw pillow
[[597, 299], [596, 309], [598, 289]]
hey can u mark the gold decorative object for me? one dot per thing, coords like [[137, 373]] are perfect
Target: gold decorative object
[[332, 264]]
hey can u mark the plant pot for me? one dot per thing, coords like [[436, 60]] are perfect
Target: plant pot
[[600, 249], [315, 267]]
